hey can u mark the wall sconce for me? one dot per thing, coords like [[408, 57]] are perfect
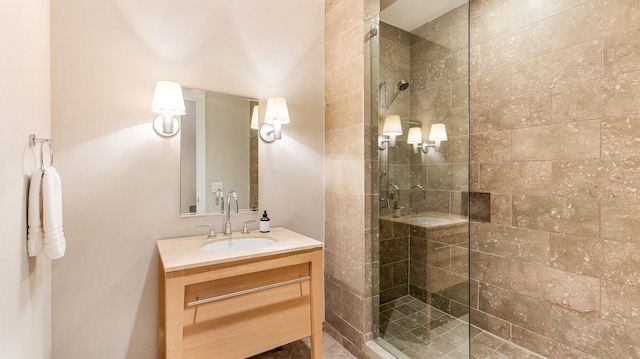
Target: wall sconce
[[275, 116], [392, 128], [415, 138], [167, 101], [437, 134], [254, 118]]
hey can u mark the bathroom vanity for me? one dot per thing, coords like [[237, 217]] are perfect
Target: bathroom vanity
[[232, 297]]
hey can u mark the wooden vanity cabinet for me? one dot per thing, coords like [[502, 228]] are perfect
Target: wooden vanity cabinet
[[237, 309]]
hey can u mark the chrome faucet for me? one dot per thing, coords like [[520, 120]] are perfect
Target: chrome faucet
[[391, 194], [424, 193], [227, 225]]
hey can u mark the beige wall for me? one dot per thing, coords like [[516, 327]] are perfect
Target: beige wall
[[120, 179], [554, 134], [25, 302]]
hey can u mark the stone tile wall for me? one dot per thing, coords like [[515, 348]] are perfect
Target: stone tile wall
[[349, 162], [439, 77], [434, 60], [439, 267], [394, 60], [555, 133], [253, 170], [394, 260], [431, 265]]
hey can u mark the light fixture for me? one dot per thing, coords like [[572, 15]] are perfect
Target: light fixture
[[391, 128], [414, 137], [437, 134], [276, 114], [254, 118], [167, 101]]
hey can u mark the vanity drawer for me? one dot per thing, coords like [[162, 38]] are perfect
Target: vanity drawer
[[248, 314], [244, 282]]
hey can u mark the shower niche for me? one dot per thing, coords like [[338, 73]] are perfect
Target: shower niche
[[420, 99]]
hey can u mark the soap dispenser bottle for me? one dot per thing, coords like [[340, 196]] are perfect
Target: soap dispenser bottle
[[265, 223]]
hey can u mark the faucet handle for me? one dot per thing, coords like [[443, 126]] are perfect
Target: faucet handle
[[245, 229], [212, 232]]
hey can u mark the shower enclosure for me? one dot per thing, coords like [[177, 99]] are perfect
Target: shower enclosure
[[420, 100]]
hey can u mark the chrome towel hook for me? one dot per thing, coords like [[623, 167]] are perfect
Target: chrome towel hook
[[32, 143]]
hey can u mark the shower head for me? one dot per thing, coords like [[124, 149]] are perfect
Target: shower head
[[402, 85]]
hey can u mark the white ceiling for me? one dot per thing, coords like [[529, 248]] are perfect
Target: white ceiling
[[410, 14]]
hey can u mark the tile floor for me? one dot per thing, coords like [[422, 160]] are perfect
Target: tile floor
[[485, 345], [331, 349], [409, 328], [416, 330]]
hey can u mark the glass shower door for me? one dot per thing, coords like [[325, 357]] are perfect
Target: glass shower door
[[420, 89]]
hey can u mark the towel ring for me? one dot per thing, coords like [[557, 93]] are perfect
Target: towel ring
[[42, 156]]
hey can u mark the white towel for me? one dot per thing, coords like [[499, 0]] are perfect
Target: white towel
[[35, 234], [54, 242]]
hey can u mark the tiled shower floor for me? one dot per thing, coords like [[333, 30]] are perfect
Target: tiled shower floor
[[416, 330], [409, 328]]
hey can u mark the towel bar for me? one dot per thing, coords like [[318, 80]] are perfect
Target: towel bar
[[247, 291]]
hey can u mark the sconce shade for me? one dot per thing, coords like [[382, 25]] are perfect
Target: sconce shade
[[254, 118], [277, 111], [392, 126], [414, 136], [438, 132], [276, 114], [167, 98], [167, 101]]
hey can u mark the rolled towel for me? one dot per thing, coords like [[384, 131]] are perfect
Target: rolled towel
[[54, 241], [54, 246], [35, 234]]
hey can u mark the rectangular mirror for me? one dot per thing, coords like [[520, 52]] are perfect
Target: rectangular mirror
[[217, 148]]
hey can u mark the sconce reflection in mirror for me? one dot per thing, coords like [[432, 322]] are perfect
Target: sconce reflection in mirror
[[391, 128], [254, 118], [168, 102], [276, 115], [437, 134]]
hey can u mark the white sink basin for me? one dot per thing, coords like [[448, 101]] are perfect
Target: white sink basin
[[238, 244]]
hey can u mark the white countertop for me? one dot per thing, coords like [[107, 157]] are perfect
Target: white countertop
[[184, 253]]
